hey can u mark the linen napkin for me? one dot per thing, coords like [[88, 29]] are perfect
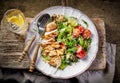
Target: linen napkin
[[89, 76]]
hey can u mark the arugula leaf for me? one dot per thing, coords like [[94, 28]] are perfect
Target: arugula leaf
[[85, 45], [71, 43], [89, 40], [47, 58], [51, 19], [64, 64], [72, 50], [80, 41], [60, 25], [73, 58]]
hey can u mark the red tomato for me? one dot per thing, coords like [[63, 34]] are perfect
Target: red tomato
[[81, 54], [86, 34], [76, 32], [81, 28], [79, 48]]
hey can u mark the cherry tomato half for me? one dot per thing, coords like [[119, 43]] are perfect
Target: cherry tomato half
[[76, 32], [81, 28], [86, 34], [81, 54]]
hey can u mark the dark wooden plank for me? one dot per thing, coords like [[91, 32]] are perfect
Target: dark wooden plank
[[11, 48], [100, 61], [64, 2]]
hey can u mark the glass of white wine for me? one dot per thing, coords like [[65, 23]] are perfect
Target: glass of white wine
[[15, 21]]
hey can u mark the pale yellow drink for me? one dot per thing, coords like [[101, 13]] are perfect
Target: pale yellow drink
[[15, 21]]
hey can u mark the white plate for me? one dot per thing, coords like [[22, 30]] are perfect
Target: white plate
[[83, 64]]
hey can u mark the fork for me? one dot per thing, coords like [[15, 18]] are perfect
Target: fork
[[40, 24], [41, 27]]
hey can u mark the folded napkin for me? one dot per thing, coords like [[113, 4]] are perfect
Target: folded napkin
[[89, 76]]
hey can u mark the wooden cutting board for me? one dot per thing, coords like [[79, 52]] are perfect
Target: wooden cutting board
[[11, 47]]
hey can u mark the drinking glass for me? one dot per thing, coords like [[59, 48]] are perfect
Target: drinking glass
[[15, 21]]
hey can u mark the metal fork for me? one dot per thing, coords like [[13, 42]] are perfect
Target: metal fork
[[40, 24], [41, 27]]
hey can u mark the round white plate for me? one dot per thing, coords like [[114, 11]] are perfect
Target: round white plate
[[76, 68]]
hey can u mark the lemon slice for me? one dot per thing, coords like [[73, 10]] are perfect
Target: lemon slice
[[18, 20], [21, 20]]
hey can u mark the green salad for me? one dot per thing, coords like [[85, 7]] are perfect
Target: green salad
[[67, 41]]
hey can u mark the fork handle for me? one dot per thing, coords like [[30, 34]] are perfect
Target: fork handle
[[26, 49], [32, 65]]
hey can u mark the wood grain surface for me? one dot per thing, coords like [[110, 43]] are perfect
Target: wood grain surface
[[11, 47], [100, 61]]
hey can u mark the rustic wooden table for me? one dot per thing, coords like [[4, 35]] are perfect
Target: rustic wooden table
[[11, 48], [107, 9]]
